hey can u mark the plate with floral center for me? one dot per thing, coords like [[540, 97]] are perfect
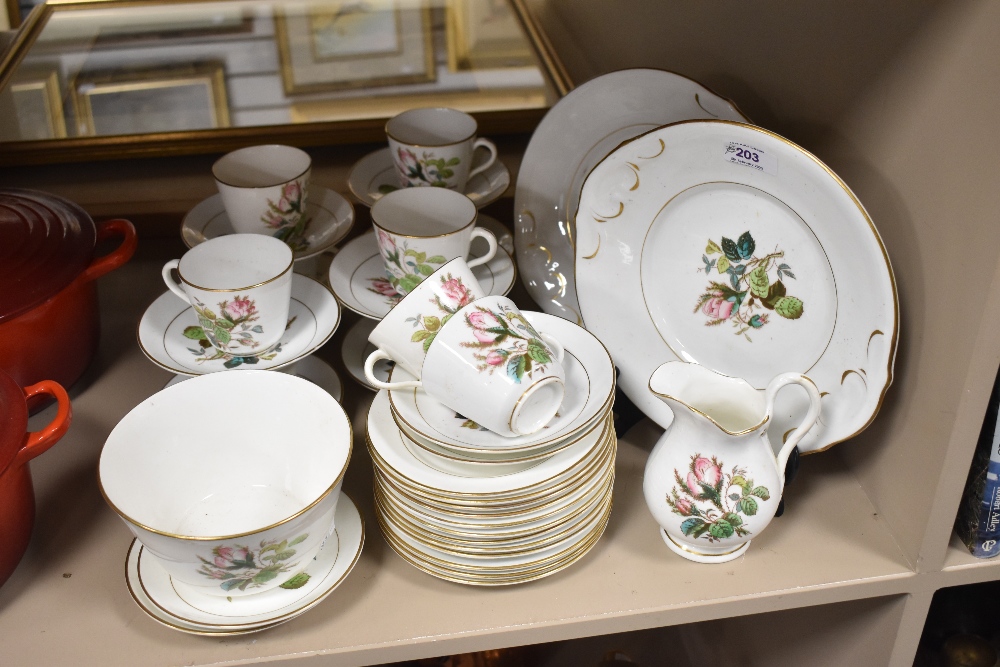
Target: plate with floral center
[[170, 336], [375, 175], [726, 245], [329, 217]]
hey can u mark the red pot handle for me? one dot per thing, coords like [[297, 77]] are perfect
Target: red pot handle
[[116, 257], [39, 441]]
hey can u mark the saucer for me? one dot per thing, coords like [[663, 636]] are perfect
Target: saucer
[[358, 277], [331, 218], [356, 349], [375, 175], [313, 317], [311, 368], [590, 386], [196, 613]]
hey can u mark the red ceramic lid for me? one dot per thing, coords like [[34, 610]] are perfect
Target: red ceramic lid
[[13, 419], [45, 243]]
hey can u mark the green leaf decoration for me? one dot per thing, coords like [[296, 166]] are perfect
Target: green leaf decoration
[[739, 480], [761, 492], [409, 282], [721, 529], [759, 282], [230, 584], [425, 269], [712, 248], [538, 352], [258, 329], [447, 173], [419, 336], [284, 555], [516, 367], [734, 496], [733, 518], [745, 245], [225, 323], [428, 341], [299, 540], [690, 525], [234, 362], [432, 323], [453, 161], [265, 575], [774, 292], [729, 248], [298, 581], [205, 323], [748, 505], [194, 333], [722, 265], [222, 335], [788, 307], [436, 259], [410, 252]]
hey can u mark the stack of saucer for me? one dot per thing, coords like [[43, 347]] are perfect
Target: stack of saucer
[[467, 505]]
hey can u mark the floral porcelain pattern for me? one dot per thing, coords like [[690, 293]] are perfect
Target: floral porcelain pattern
[[413, 265], [288, 216], [725, 499], [457, 296], [230, 334], [240, 567], [506, 340], [424, 170], [749, 294]]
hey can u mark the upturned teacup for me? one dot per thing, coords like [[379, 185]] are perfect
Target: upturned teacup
[[264, 189], [435, 147], [420, 229], [240, 286], [228, 498]]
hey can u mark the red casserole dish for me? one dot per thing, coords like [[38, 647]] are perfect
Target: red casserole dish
[[49, 322]]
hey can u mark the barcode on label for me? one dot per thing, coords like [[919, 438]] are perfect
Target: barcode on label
[[751, 156]]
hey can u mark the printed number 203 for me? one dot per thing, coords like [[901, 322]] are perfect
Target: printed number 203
[[747, 155]]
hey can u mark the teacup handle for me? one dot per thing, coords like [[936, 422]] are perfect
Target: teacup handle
[[490, 238], [491, 147], [168, 278], [555, 345], [374, 358], [776, 385]]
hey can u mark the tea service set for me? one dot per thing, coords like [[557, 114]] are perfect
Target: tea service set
[[491, 432]]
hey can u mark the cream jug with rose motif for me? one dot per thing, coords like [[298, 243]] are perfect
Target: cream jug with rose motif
[[712, 481]]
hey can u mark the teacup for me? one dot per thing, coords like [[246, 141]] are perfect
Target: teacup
[[406, 331], [264, 189], [485, 362], [240, 286], [419, 229], [435, 146], [250, 511]]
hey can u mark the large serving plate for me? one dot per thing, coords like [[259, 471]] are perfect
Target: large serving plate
[[726, 245], [574, 136]]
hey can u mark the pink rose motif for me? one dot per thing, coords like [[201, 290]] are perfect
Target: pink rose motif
[[705, 472], [383, 287], [456, 291], [718, 308], [292, 191], [407, 159], [684, 506], [241, 554], [240, 308], [494, 358], [385, 242], [223, 556], [481, 321]]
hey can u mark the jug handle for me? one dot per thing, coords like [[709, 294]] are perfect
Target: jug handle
[[776, 385]]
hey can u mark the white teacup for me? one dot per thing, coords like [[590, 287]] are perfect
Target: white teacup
[[420, 229], [264, 189], [230, 498], [436, 146], [487, 363], [406, 331], [240, 286]]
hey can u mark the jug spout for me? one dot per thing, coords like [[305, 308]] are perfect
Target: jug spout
[[729, 403]]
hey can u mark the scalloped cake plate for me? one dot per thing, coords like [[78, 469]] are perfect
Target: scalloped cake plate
[[726, 245], [574, 136]]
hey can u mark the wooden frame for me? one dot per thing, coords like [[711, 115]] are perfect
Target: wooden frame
[[45, 85], [479, 35]]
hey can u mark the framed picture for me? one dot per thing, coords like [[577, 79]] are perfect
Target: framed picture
[[485, 34], [353, 44], [151, 101], [38, 105]]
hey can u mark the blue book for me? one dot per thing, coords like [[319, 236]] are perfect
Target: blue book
[[978, 521]]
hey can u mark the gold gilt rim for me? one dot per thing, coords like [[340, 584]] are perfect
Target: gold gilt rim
[[544, 453], [469, 496], [555, 534], [192, 538], [602, 460], [381, 225], [465, 519], [288, 268], [894, 338], [261, 187], [701, 553], [602, 466], [695, 410], [445, 144], [498, 571]]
